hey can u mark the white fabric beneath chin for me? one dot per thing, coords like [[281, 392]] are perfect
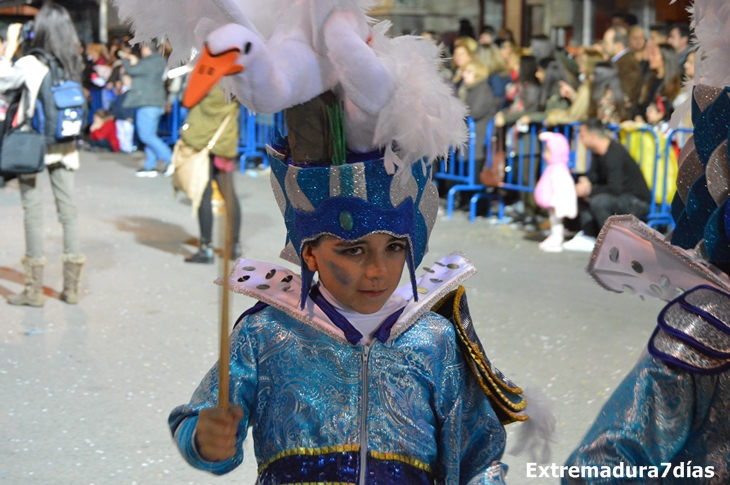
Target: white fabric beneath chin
[[366, 324]]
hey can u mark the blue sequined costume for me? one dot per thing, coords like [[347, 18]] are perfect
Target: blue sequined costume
[[671, 410], [660, 414], [313, 399]]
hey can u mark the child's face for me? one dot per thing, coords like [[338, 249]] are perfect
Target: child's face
[[653, 115], [361, 275]]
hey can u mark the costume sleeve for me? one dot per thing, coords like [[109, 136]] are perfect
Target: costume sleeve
[[471, 438], [481, 103], [646, 421], [243, 380]]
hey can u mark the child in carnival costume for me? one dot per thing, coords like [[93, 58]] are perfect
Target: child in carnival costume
[[347, 379], [668, 422]]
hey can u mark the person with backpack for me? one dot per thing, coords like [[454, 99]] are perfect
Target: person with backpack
[[52, 63]]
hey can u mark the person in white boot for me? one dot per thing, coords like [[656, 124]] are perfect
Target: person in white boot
[[555, 191]]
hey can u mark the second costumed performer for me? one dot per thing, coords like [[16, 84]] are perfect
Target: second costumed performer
[[347, 378]]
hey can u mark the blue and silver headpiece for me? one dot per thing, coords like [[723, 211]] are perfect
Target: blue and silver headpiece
[[351, 201], [701, 207]]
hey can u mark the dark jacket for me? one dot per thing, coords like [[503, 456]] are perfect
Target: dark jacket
[[148, 87], [480, 101], [616, 173], [629, 71]]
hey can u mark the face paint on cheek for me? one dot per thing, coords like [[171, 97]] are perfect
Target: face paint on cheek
[[340, 274]]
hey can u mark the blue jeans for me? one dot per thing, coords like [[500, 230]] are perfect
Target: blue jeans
[[148, 121]]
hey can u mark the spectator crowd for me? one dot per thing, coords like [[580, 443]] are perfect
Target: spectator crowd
[[629, 80]]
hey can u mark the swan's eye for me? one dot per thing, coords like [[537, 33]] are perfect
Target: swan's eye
[[247, 48]]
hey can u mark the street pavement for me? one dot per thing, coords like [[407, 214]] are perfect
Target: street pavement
[[85, 390]]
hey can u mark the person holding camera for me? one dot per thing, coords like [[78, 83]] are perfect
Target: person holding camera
[[53, 47]]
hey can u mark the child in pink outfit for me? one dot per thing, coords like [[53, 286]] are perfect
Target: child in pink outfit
[[555, 191]]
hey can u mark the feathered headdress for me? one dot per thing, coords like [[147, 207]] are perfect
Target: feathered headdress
[[365, 112]]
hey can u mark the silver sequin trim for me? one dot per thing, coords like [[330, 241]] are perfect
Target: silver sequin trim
[[272, 152], [668, 345], [713, 303], [429, 205], [335, 184], [706, 95], [278, 194], [718, 174], [698, 328], [289, 253], [360, 188], [689, 171], [403, 186], [296, 197]]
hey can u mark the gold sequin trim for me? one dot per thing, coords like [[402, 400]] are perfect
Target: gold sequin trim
[[489, 382], [309, 452], [402, 458], [343, 449]]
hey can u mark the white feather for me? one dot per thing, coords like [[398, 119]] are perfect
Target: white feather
[[423, 118], [711, 24], [536, 435], [177, 20]]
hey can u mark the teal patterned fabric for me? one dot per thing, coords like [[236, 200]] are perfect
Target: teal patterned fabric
[[302, 388], [661, 414]]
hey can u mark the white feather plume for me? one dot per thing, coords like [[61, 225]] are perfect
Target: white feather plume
[[711, 24], [177, 20], [536, 435], [423, 118]]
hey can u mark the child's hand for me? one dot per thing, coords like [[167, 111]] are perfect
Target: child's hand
[[216, 432]]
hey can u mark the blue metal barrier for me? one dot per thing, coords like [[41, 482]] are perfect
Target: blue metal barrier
[[521, 174], [661, 214], [461, 169], [257, 131], [170, 123]]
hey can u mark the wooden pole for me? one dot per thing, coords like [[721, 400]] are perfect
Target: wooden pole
[[223, 360]]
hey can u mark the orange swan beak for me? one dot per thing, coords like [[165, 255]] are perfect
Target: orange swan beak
[[209, 70]]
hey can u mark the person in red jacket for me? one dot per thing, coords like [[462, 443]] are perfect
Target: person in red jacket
[[104, 131]]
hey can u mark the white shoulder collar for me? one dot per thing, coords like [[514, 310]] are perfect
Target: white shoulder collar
[[280, 287]]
